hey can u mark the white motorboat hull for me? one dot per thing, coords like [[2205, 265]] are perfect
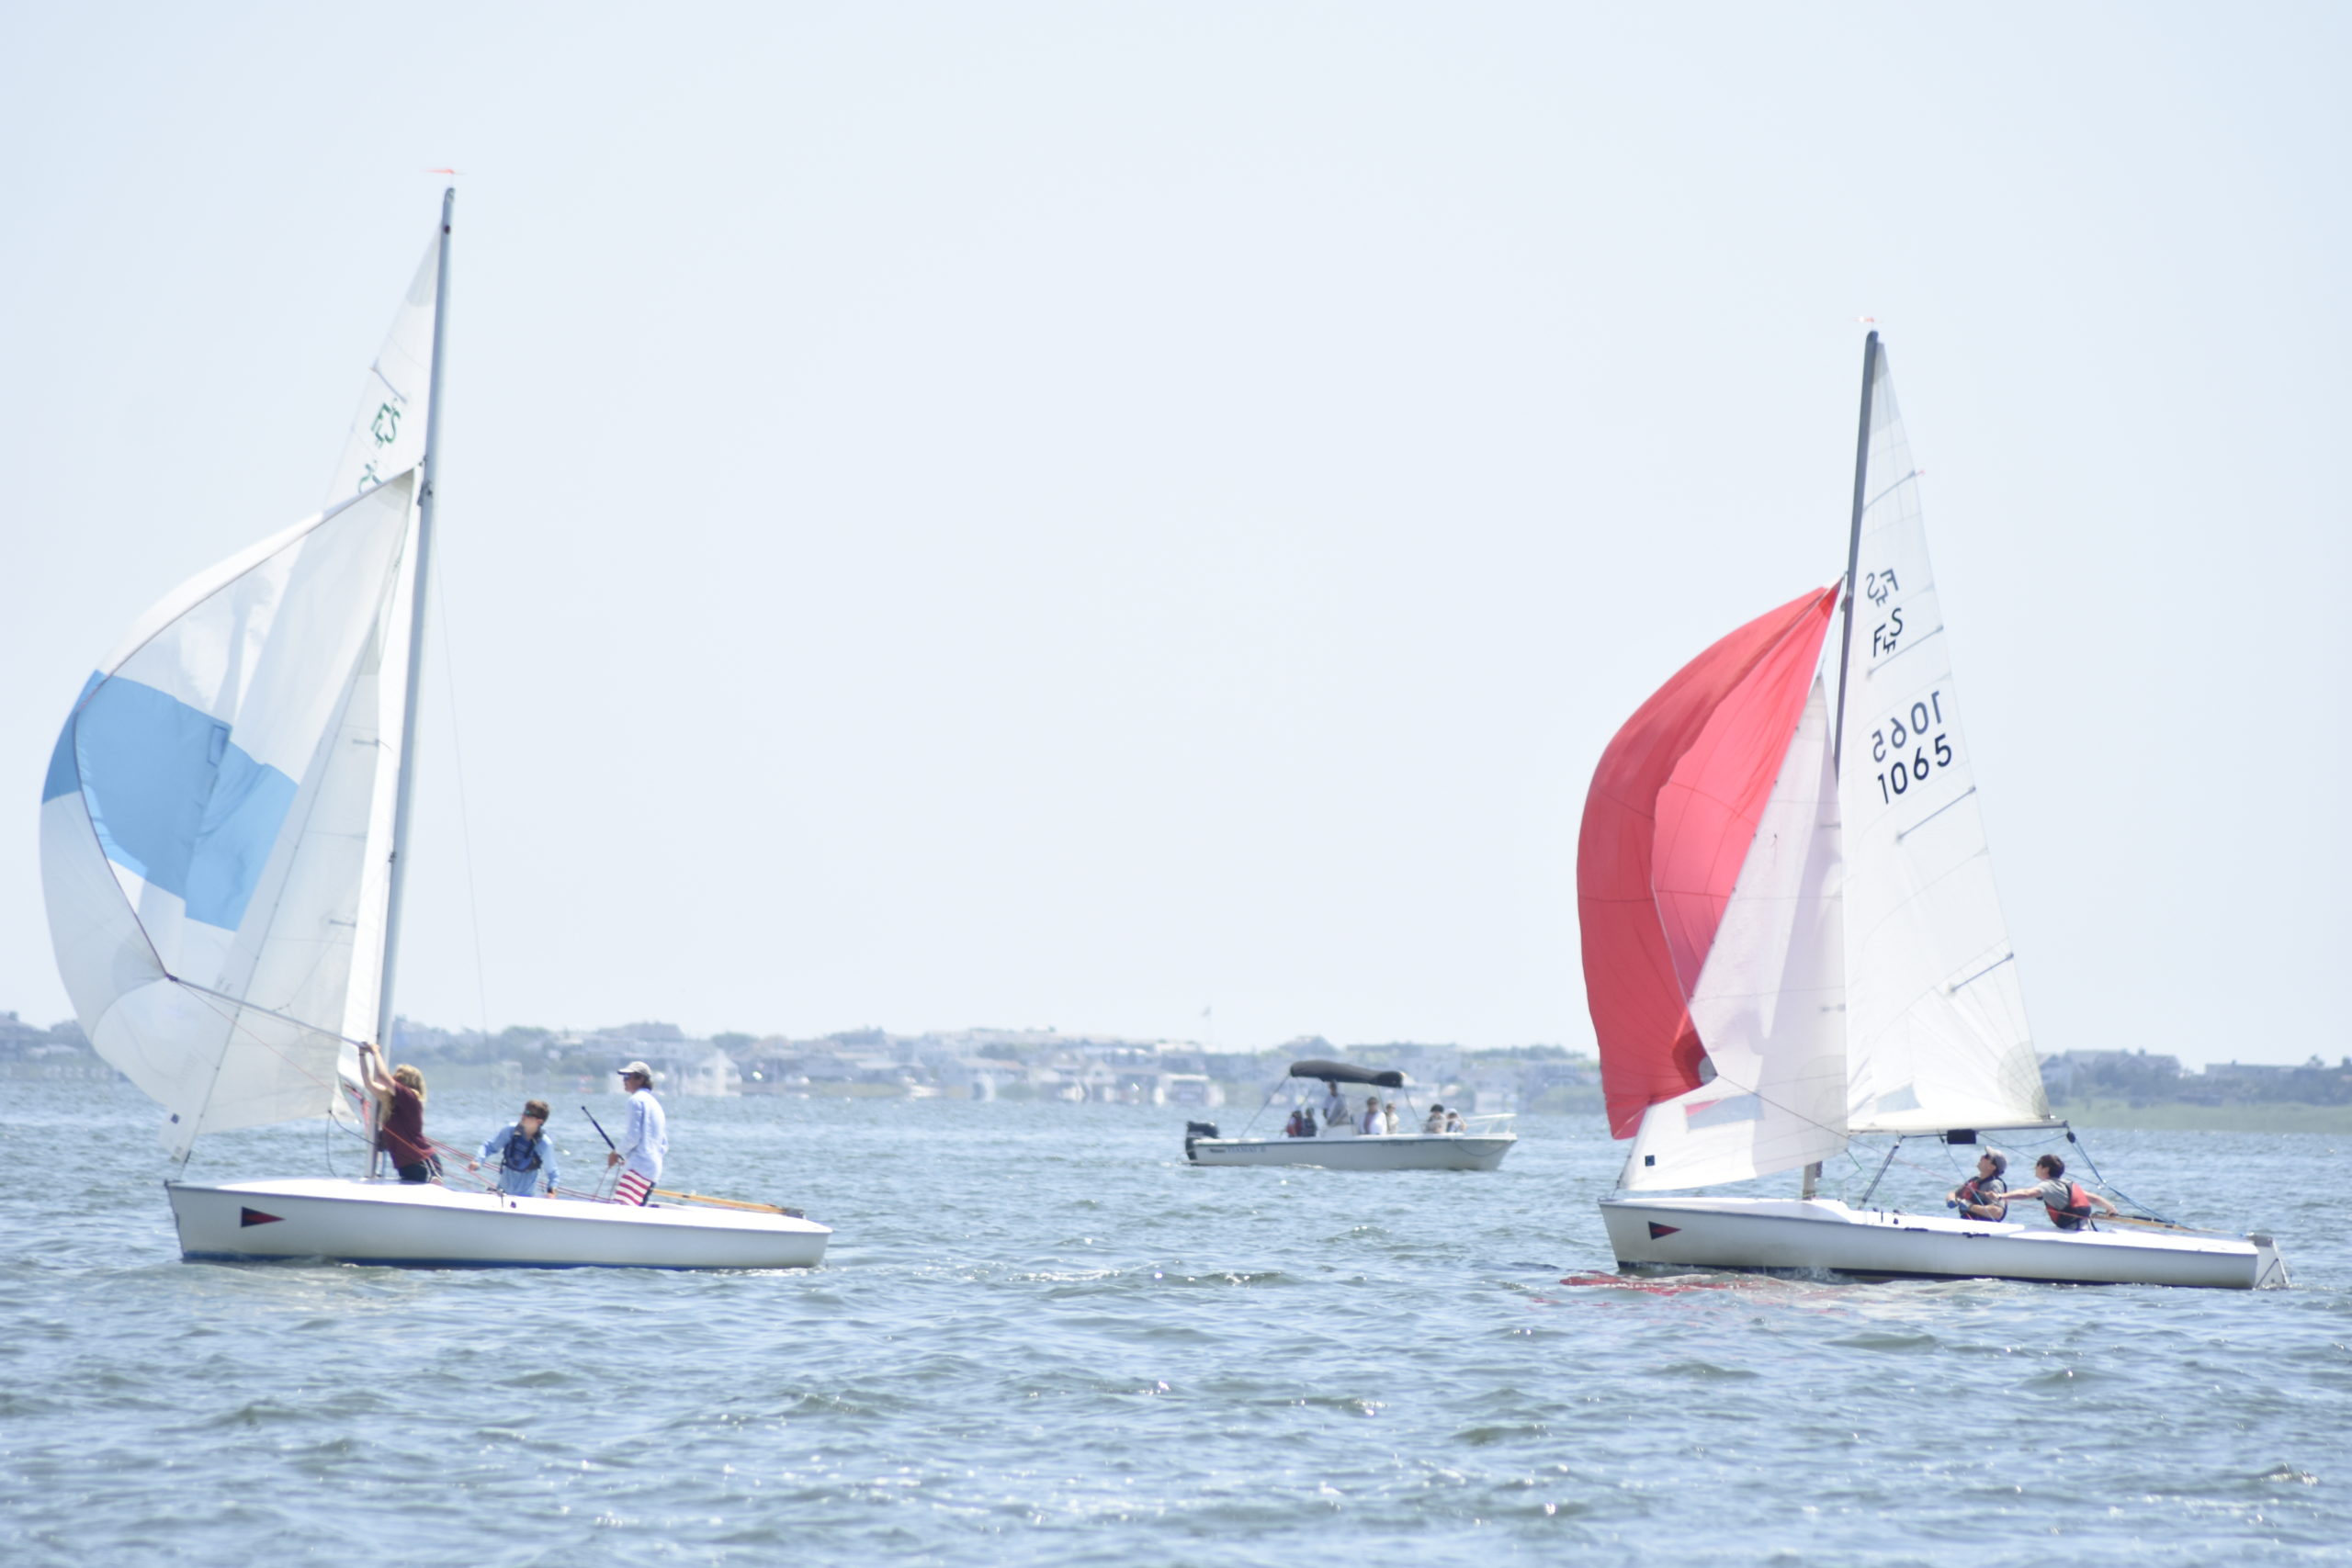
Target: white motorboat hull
[[1370, 1151], [1823, 1234], [432, 1226]]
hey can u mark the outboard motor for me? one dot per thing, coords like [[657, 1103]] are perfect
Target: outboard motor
[[1197, 1129]]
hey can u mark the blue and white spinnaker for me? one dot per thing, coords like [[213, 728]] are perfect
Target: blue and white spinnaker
[[216, 823]]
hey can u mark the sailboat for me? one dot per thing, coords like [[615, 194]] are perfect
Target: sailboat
[[1791, 940], [225, 826]]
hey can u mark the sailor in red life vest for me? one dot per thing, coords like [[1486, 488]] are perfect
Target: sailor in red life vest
[[1981, 1196], [2069, 1202]]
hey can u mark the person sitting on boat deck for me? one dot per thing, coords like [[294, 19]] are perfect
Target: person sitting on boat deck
[[1301, 1124], [1453, 1122], [1369, 1123], [1982, 1195], [1436, 1124], [645, 1137], [524, 1154], [1335, 1104], [1388, 1117], [2069, 1202], [401, 1100]]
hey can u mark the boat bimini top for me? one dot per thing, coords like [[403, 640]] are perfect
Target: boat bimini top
[[1340, 1072]]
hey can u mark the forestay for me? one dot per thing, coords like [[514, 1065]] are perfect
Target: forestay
[[215, 823], [1935, 1026]]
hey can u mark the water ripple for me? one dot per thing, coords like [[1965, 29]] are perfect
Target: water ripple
[[1043, 1338]]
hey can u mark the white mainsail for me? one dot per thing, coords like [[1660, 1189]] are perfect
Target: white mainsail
[[386, 435], [213, 817], [1935, 1027], [1770, 1002]]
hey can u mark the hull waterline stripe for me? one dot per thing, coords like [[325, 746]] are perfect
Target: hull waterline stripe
[[476, 1263], [1867, 1275]]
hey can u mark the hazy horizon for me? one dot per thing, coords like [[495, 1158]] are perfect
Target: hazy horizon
[[1090, 515]]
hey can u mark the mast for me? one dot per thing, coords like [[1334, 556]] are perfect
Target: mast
[[426, 497], [1853, 541], [1811, 1183]]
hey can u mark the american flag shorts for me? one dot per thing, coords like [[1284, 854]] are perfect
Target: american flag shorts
[[633, 1188]]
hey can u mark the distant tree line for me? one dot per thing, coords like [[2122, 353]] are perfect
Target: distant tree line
[[2140, 1078]]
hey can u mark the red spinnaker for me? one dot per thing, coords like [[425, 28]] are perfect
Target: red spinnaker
[[1673, 807]]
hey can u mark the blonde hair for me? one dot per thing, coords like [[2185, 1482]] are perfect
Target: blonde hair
[[410, 1077]]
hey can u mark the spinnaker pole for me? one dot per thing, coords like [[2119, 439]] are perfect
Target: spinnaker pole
[[1853, 541], [425, 498]]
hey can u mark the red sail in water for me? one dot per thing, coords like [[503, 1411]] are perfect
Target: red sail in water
[[1673, 807]]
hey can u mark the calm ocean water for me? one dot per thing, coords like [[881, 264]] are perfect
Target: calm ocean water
[[1041, 1339]]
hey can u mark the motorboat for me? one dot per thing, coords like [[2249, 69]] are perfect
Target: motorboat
[[1338, 1143]]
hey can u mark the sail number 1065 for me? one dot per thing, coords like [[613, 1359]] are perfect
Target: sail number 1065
[[1910, 731]]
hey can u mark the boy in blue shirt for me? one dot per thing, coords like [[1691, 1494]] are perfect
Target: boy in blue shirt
[[524, 1154]]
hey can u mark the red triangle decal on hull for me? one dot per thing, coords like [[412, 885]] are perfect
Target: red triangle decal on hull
[[256, 1217], [1656, 1230]]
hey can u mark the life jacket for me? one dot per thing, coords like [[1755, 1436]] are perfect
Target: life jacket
[[1973, 1191], [2077, 1207], [521, 1152]]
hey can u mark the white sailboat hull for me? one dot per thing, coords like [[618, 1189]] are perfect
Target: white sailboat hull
[[1823, 1234], [427, 1225], [1376, 1151]]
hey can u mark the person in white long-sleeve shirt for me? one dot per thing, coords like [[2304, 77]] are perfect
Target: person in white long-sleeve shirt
[[645, 1137]]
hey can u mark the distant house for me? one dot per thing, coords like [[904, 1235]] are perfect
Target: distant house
[[1189, 1090]]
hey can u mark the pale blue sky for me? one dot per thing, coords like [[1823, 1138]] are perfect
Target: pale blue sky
[[1071, 515]]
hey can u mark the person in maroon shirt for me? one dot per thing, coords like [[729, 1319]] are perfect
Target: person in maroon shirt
[[402, 1096]]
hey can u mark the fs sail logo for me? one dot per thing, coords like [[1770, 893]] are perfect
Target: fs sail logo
[[385, 429]]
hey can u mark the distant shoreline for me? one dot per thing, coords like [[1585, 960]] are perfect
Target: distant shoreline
[[1537, 1080], [2181, 1117]]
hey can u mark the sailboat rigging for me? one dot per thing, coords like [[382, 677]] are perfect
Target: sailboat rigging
[[224, 854], [1792, 937]]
